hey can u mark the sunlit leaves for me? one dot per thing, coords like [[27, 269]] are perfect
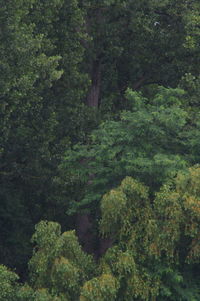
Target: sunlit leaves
[[102, 288], [58, 262], [8, 284]]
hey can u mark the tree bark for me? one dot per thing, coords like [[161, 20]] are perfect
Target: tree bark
[[84, 232], [140, 82], [104, 245], [84, 225], [94, 91]]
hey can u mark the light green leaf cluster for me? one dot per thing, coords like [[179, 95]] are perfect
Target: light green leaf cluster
[[8, 284], [101, 289], [133, 231], [58, 263]]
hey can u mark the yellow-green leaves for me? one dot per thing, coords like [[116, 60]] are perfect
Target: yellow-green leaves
[[102, 288], [65, 277], [128, 219], [124, 208], [154, 243], [8, 284], [58, 262], [113, 207], [151, 237], [178, 213], [121, 263], [188, 187], [169, 215]]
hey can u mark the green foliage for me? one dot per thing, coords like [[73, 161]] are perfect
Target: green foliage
[[140, 43], [25, 293], [179, 213], [156, 249], [52, 55], [178, 210], [26, 126], [145, 143], [8, 284], [121, 207], [40, 111], [154, 253], [136, 231], [58, 262], [101, 289]]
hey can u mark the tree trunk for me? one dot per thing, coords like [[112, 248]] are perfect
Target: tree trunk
[[84, 232], [94, 92], [84, 222], [84, 227], [104, 245], [139, 83]]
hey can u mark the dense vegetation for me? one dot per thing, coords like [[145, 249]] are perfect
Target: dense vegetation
[[99, 150]]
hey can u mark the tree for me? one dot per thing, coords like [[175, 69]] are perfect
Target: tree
[[41, 113], [61, 258], [59, 61], [154, 254], [155, 245], [136, 44], [146, 143], [8, 280]]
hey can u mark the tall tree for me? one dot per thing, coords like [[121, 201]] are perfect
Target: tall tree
[[154, 255], [147, 143], [38, 49], [133, 44]]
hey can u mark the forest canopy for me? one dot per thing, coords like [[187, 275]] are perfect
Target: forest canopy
[[99, 150]]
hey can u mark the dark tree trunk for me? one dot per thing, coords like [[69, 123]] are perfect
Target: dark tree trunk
[[104, 245], [94, 91], [139, 83], [84, 232], [84, 227], [84, 222]]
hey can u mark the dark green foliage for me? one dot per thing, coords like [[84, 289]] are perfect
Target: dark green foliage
[[26, 127], [36, 121], [88, 97]]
